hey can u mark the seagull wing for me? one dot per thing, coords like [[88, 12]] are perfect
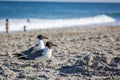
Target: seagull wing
[[35, 54]]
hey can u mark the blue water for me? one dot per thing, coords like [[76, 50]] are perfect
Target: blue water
[[57, 10]]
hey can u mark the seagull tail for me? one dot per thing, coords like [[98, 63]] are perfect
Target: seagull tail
[[17, 55], [23, 58]]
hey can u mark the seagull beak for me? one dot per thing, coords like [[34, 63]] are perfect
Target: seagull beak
[[44, 37], [54, 45]]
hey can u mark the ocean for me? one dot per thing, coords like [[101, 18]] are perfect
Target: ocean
[[44, 15]]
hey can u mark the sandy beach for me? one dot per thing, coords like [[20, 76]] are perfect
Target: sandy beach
[[86, 53]]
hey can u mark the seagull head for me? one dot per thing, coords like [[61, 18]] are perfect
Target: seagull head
[[41, 37], [49, 44]]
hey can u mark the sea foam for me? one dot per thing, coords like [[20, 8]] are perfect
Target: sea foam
[[35, 24]]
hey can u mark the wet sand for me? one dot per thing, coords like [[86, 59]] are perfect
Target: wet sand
[[82, 54]]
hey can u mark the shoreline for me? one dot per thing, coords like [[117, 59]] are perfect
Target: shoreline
[[37, 24], [62, 28]]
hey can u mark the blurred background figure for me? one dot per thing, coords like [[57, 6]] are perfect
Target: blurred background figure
[[24, 28], [7, 25]]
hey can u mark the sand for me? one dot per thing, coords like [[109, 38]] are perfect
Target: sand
[[89, 53]]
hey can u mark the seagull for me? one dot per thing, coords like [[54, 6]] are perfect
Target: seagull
[[39, 41], [40, 55], [39, 45]]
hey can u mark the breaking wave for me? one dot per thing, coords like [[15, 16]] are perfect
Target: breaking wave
[[35, 24]]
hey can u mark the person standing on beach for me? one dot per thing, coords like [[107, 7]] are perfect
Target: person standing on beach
[[7, 25], [24, 28], [28, 20]]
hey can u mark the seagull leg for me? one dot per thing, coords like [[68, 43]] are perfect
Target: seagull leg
[[43, 66], [38, 66]]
